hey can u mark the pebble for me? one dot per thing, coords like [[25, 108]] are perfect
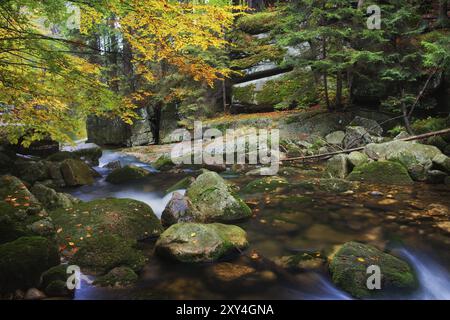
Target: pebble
[[376, 193], [34, 294]]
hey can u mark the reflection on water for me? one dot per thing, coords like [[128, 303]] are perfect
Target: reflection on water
[[286, 222]]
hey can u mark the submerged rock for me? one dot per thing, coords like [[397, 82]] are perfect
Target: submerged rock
[[349, 265], [265, 184], [195, 242], [24, 260], [126, 174], [117, 277], [105, 252], [76, 173], [335, 185], [383, 172], [129, 219], [214, 201]]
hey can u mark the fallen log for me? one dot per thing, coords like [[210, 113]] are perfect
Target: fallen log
[[329, 154]]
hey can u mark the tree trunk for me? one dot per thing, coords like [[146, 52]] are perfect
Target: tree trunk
[[443, 20], [128, 69], [338, 101], [406, 118], [325, 76], [112, 57]]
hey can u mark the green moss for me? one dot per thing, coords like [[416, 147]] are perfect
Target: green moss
[[244, 95], [126, 174], [163, 163], [258, 22], [195, 242], [349, 271], [383, 172], [127, 218], [121, 276], [430, 124], [62, 155], [58, 288], [56, 273], [105, 252], [182, 184], [23, 261], [266, 184]]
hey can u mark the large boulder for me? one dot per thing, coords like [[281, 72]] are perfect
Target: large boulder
[[24, 260], [32, 171], [356, 137], [214, 201], [349, 265], [442, 162], [51, 199], [338, 166], [16, 194], [416, 157], [335, 138], [194, 242], [100, 254], [179, 209], [383, 172], [117, 277], [371, 126], [357, 158], [126, 174], [163, 163], [90, 154], [129, 219], [76, 173]]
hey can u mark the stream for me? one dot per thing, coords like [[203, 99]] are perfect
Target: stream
[[317, 224]]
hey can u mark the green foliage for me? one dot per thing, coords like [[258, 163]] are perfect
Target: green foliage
[[258, 22]]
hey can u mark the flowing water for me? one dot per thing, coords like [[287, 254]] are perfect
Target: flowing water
[[287, 222]]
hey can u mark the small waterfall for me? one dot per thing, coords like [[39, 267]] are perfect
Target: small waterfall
[[434, 280]]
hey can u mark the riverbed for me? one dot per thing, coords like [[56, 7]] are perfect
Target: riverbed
[[389, 217]]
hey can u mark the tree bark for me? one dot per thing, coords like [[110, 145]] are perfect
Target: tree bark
[[443, 20]]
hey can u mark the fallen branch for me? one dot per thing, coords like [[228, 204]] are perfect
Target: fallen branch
[[329, 154]]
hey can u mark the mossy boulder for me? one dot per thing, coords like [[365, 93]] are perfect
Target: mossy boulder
[[257, 23], [442, 162], [22, 262], [54, 282], [349, 265], [100, 254], [32, 171], [52, 199], [383, 172], [266, 184], [389, 150], [213, 200], [338, 166], [127, 218], [357, 158], [89, 155], [182, 184], [76, 173], [117, 277], [163, 163], [14, 192], [195, 242], [335, 138], [126, 174]]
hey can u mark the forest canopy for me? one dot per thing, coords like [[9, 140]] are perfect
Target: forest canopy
[[53, 75]]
